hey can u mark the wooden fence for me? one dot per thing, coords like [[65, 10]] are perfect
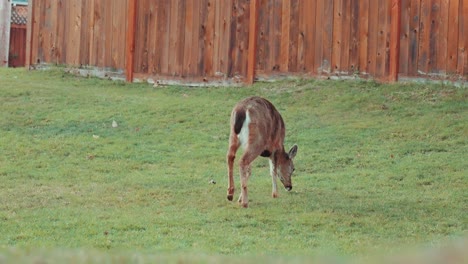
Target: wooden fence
[[240, 40], [17, 51]]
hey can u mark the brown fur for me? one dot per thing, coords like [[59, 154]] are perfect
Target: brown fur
[[266, 132]]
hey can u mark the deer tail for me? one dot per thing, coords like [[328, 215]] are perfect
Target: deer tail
[[239, 121]]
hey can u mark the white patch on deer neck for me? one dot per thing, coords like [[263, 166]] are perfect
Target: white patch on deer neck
[[244, 133]]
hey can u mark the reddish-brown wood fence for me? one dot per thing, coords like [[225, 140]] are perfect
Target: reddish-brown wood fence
[[17, 51], [239, 40]]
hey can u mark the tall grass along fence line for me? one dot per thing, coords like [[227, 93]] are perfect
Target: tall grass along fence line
[[241, 40]]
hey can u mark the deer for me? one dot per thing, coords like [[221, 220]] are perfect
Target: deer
[[258, 127]]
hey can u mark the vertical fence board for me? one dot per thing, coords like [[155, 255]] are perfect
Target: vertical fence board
[[293, 36], [309, 14], [85, 28], [463, 39], [425, 31], [300, 37], [381, 39], [404, 37], [29, 37], [90, 32], [327, 37], [151, 38], [373, 33], [253, 30], [225, 38], [346, 37], [337, 35], [363, 36], [180, 33], [353, 50], [395, 33], [130, 40], [443, 41], [284, 42], [275, 35], [189, 30], [415, 32], [209, 39], [195, 39], [452, 43], [47, 41], [319, 24], [434, 36]]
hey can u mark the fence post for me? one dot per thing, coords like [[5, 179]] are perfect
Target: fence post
[[395, 23], [130, 40], [5, 14], [30, 34], [253, 29]]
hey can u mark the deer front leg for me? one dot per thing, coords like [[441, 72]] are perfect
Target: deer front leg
[[274, 192]]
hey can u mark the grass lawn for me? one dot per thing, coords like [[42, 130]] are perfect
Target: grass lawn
[[380, 168]]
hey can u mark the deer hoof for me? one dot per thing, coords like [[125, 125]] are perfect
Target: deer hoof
[[229, 197], [274, 195]]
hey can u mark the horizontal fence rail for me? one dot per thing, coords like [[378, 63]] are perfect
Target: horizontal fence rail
[[243, 40]]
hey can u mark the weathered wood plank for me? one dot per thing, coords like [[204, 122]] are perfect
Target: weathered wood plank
[[242, 38], [452, 43], [130, 40], [463, 40], [180, 34], [414, 37], [346, 37], [164, 33], [424, 37], [353, 64], [395, 33], [434, 36], [404, 36], [319, 24], [194, 54], [327, 38], [84, 33], [252, 48], [373, 34], [363, 36], [152, 8], [337, 35], [208, 39], [284, 41], [30, 35], [301, 37], [274, 40], [189, 32], [293, 36], [224, 38], [202, 38], [381, 39], [443, 33]]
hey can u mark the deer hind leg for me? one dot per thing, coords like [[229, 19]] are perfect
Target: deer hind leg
[[231, 155], [245, 172]]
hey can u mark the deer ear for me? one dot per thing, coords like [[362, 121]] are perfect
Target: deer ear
[[292, 152]]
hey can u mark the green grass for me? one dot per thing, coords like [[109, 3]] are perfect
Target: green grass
[[379, 168]]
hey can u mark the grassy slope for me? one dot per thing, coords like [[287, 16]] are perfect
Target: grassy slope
[[379, 167]]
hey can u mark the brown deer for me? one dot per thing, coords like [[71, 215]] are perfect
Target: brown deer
[[258, 127]]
